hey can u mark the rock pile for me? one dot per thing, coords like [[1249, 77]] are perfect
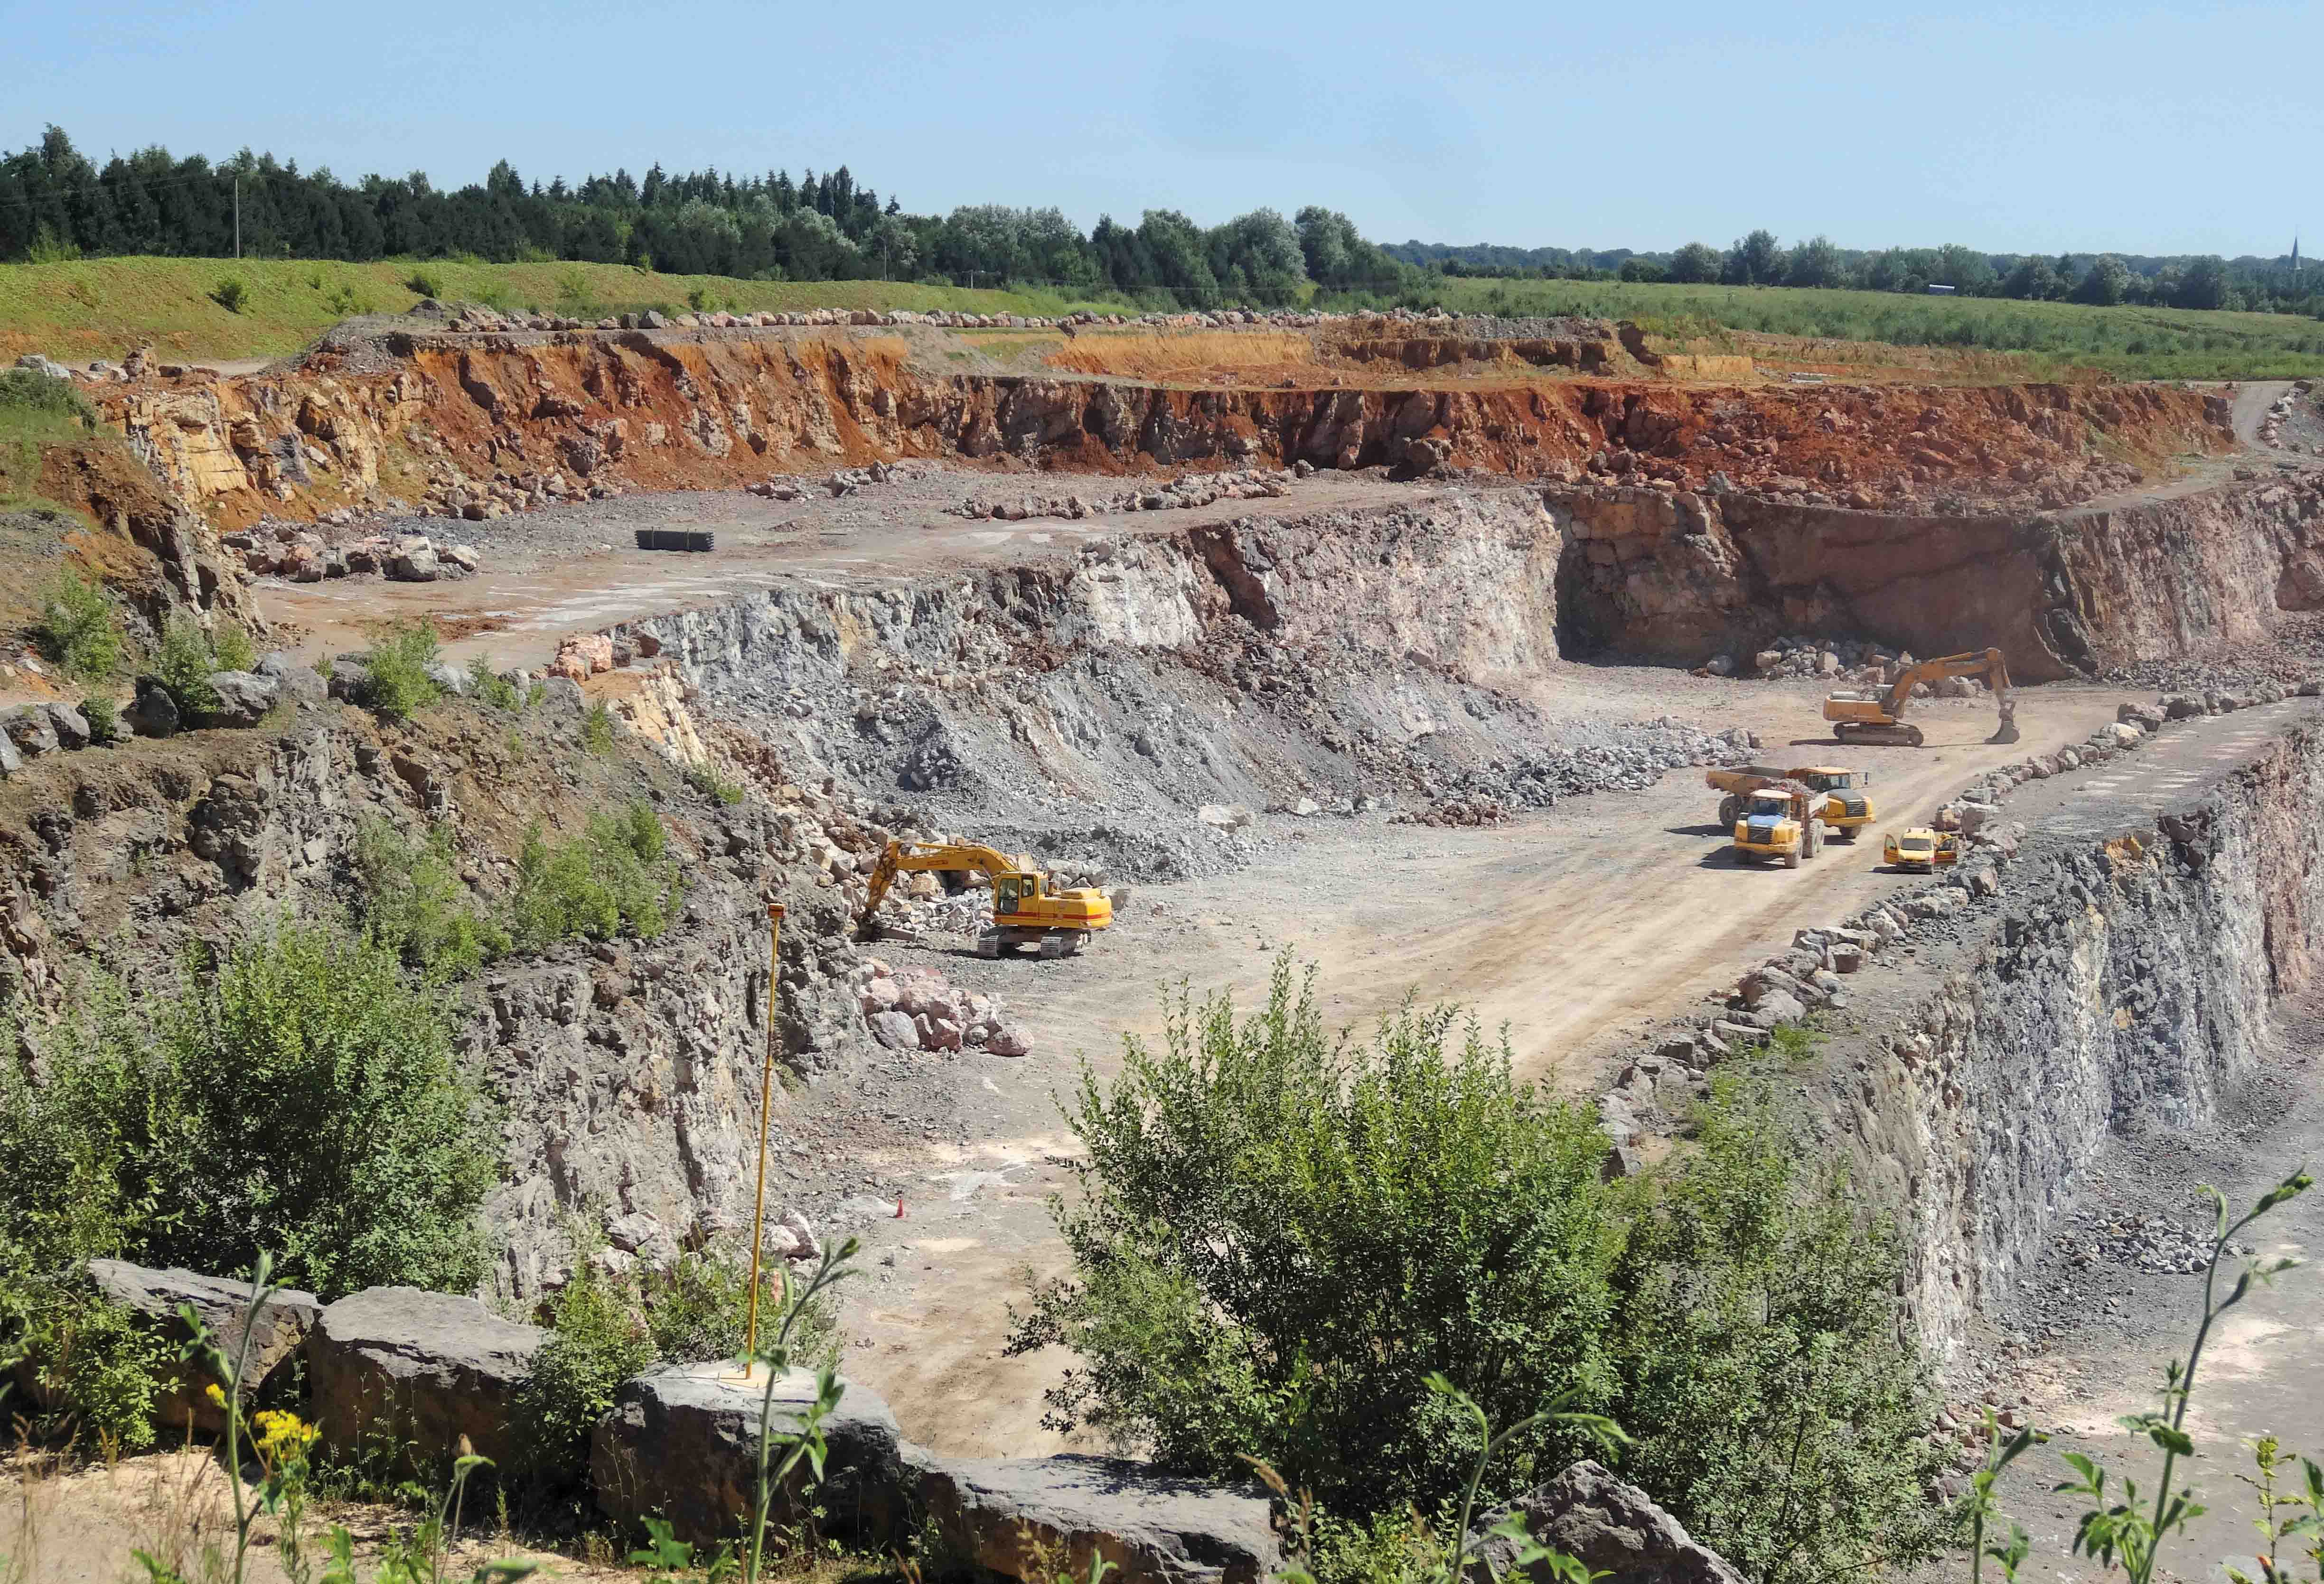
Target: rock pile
[[1184, 492], [917, 1009], [847, 481], [299, 555], [1848, 661], [2148, 1243]]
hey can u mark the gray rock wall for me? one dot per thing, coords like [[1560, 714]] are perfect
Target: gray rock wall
[[2123, 982]]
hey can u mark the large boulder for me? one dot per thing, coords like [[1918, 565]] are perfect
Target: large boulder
[[1033, 1518], [425, 1367], [71, 726], [28, 726], [243, 698], [224, 1308], [153, 713], [1613, 1529], [682, 1444], [301, 684]]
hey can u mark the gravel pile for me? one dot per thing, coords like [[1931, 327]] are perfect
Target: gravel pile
[[2147, 1243]]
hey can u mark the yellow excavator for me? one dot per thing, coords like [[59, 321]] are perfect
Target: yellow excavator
[[1880, 716], [1027, 909]]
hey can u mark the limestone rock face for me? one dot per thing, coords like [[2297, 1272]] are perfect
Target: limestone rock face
[[682, 1444], [1612, 1528], [429, 1366]]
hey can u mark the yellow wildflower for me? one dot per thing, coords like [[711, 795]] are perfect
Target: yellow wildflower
[[217, 1395], [283, 1435]]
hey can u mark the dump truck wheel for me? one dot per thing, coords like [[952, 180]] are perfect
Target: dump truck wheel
[[1727, 809], [1792, 859]]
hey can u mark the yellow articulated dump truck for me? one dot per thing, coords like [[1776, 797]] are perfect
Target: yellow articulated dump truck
[[1028, 908], [1845, 807], [1784, 820]]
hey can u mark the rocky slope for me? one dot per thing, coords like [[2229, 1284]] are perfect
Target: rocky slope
[[482, 423], [1090, 706], [1677, 578]]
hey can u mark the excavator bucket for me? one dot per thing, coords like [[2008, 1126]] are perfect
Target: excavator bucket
[[2008, 732]]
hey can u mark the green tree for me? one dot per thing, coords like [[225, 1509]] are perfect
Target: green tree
[[2203, 283], [1757, 260], [1816, 263], [1695, 264], [1279, 1236], [2107, 282], [1642, 270]]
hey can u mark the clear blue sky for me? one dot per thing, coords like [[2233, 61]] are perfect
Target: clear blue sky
[[2012, 128]]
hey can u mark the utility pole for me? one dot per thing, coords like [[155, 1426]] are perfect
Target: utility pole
[[237, 219]]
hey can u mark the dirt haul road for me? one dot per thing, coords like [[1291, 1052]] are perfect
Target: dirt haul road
[[1578, 929]]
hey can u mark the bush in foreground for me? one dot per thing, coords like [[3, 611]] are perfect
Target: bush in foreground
[[295, 1092], [1282, 1235]]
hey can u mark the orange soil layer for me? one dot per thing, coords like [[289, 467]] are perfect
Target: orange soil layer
[[487, 419]]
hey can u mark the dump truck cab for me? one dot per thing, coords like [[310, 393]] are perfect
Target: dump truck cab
[[1778, 821], [1847, 807]]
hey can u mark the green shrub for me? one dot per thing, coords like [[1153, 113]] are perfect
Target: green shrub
[[1240, 1178], [398, 661], [616, 876], [28, 394], [104, 718], [78, 630], [597, 728], [487, 686], [231, 293], [346, 302], [1280, 1235], [425, 283], [595, 1344], [232, 649], [698, 1309], [293, 1092], [183, 665], [416, 904], [705, 780], [1778, 1410]]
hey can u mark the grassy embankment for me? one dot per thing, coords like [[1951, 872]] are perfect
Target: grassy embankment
[[100, 307], [2036, 339]]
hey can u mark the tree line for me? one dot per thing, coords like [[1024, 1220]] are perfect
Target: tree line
[[2105, 280], [56, 203]]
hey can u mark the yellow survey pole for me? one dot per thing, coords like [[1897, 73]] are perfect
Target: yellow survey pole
[[766, 1113]]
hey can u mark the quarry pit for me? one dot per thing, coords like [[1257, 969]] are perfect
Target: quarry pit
[[1399, 647]]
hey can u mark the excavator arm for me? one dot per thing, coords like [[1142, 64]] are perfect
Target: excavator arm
[[1879, 717], [1985, 663], [907, 857]]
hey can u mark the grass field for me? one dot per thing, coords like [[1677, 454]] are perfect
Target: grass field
[[2051, 337], [100, 307]]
